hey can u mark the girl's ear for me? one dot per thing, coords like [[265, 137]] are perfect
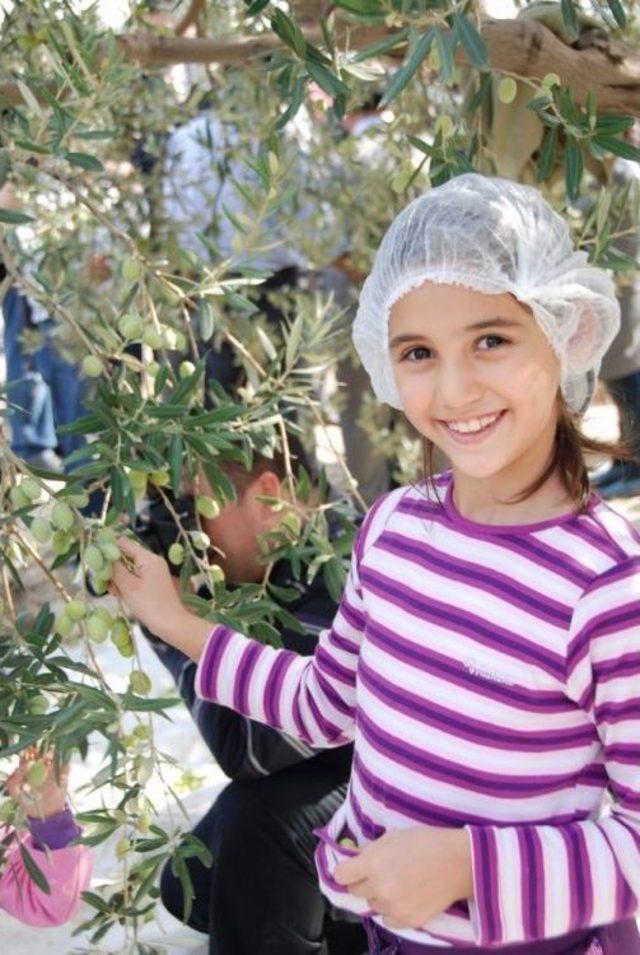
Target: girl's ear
[[585, 341]]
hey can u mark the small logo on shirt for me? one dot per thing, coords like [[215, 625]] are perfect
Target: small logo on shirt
[[476, 668]]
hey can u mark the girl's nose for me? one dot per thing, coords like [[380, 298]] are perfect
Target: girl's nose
[[459, 385]]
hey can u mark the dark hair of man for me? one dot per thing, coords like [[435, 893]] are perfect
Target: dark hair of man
[[241, 478]]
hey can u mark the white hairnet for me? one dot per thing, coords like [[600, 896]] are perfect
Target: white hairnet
[[491, 235]]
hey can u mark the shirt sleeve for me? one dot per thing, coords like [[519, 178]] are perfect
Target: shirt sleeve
[[67, 871], [312, 699], [540, 881]]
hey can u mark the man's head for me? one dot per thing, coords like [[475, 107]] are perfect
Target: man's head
[[236, 532]]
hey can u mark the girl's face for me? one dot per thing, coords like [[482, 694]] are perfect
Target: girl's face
[[478, 377]]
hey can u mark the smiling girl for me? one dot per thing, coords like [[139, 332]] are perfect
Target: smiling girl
[[485, 657]]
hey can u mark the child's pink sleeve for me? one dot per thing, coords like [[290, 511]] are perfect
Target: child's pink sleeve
[[66, 869]]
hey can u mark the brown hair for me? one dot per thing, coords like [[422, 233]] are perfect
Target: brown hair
[[568, 458]]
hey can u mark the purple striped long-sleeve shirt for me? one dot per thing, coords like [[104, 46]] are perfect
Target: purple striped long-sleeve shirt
[[490, 678]]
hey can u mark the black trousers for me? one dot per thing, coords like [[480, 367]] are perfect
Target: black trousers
[[261, 896]]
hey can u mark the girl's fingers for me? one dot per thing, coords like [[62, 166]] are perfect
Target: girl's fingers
[[121, 577], [131, 548], [12, 783], [351, 872]]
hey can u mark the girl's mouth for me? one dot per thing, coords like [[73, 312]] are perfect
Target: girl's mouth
[[472, 430]]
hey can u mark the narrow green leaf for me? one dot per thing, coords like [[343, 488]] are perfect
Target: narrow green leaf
[[573, 168], [382, 46], [289, 33], [96, 901], [220, 483], [85, 161], [253, 9], [334, 577], [180, 869], [175, 462], [619, 147], [11, 217], [569, 18], [610, 124], [32, 147], [618, 12], [5, 165], [161, 379], [425, 148], [470, 39], [295, 102], [327, 80], [30, 865], [547, 155], [294, 337], [478, 98], [445, 44], [99, 134], [409, 68]]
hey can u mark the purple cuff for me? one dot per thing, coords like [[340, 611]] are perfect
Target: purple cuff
[[54, 832]]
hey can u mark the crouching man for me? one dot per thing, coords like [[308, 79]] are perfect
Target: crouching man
[[261, 896]]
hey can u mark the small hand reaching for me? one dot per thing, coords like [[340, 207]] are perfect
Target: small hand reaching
[[147, 589], [149, 592], [34, 786]]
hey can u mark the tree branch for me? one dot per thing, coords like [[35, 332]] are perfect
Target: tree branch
[[598, 62], [191, 16], [525, 47]]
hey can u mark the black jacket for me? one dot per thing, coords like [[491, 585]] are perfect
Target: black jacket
[[243, 748]]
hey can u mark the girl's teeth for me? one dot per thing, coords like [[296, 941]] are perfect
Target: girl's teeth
[[474, 424]]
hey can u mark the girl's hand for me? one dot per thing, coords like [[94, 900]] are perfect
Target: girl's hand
[[148, 590], [151, 595], [33, 785], [411, 875]]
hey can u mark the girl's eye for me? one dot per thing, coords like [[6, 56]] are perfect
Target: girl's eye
[[490, 342], [418, 353]]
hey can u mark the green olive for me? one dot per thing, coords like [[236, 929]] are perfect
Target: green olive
[[153, 338], [139, 682], [37, 774], [91, 366], [131, 269], [216, 573], [207, 506], [176, 554], [76, 610], [111, 551], [31, 488], [187, 368], [94, 558], [18, 497], [97, 627], [41, 530], [61, 542], [64, 625], [62, 516]]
